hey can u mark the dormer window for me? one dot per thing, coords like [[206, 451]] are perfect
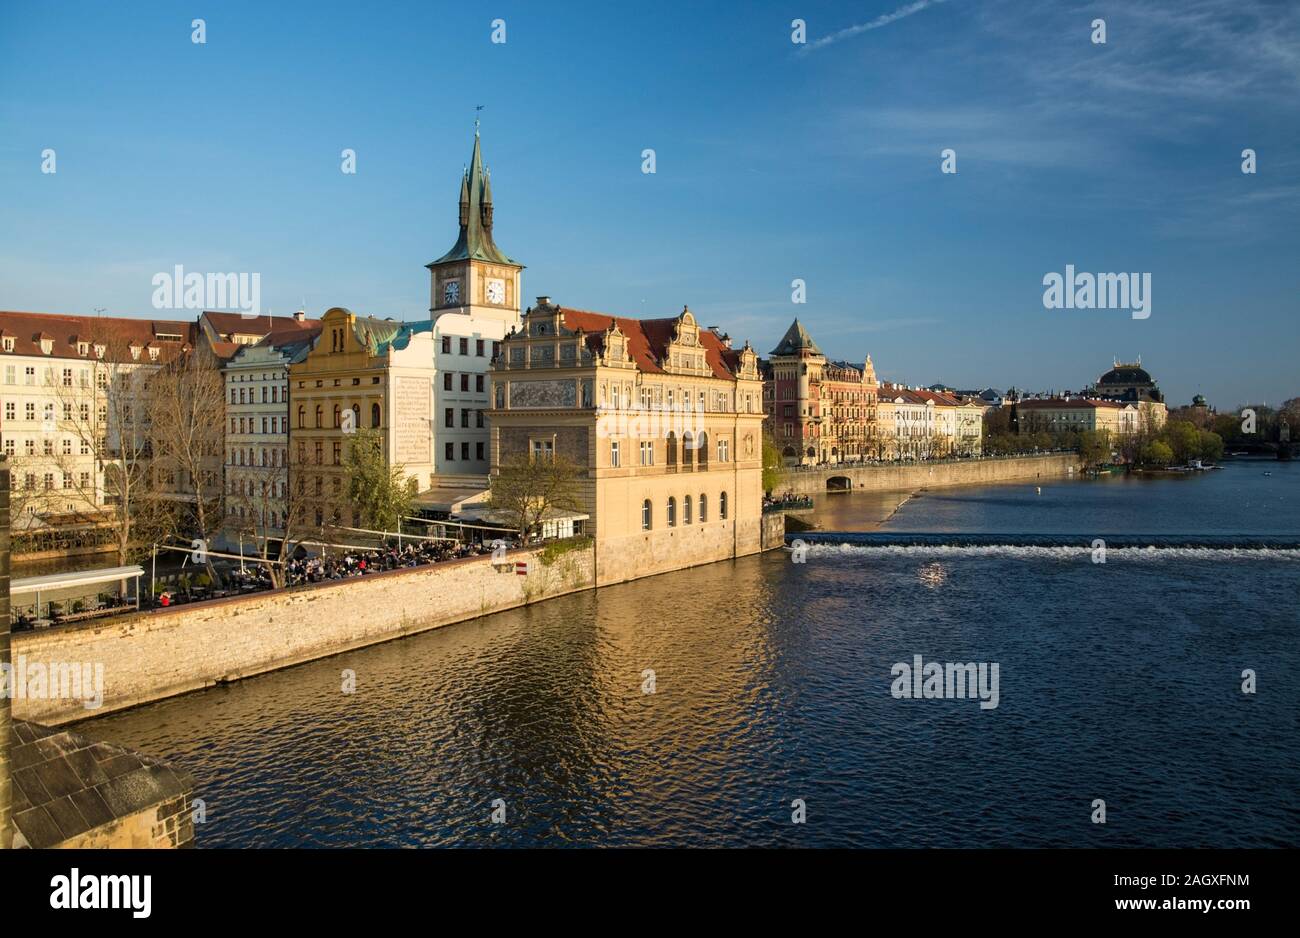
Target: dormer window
[[47, 346], [135, 352], [83, 348], [8, 343], [153, 354], [99, 351]]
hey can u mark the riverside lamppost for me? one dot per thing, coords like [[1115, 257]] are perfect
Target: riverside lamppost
[[6, 716]]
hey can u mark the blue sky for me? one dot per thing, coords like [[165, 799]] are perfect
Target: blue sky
[[774, 162]]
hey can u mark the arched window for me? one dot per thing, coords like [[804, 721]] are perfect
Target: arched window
[[302, 417], [722, 506], [703, 451], [646, 513], [688, 450], [374, 415], [686, 510], [338, 418], [319, 412], [704, 508], [672, 512], [671, 447]]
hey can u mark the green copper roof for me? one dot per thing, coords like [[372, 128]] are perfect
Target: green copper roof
[[796, 338], [378, 335], [475, 241]]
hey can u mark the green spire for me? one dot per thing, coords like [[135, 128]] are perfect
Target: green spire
[[475, 240]]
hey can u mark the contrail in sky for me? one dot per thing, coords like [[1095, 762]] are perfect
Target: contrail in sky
[[884, 20]]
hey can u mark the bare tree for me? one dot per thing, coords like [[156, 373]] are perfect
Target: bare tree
[[528, 490], [186, 406], [104, 473], [271, 506]]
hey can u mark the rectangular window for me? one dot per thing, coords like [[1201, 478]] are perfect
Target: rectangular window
[[543, 449], [446, 345], [449, 417], [464, 382], [478, 348], [464, 346], [478, 383], [464, 417], [613, 454], [464, 451], [478, 419], [446, 380], [647, 453], [478, 451], [450, 451]]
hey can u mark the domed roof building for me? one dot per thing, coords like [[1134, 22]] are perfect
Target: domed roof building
[[1128, 381]]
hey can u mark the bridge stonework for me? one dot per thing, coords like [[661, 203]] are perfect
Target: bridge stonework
[[890, 477]]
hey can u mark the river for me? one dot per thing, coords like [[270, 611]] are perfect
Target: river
[[1118, 681]]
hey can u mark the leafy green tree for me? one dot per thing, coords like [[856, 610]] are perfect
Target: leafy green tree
[[1184, 439], [773, 470], [1094, 447], [1157, 453], [380, 494], [1211, 446]]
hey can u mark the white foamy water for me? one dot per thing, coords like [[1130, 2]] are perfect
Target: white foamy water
[[1029, 552]]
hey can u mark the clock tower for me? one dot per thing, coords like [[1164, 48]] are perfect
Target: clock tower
[[476, 277]]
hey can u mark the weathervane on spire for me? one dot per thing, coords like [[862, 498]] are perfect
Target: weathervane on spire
[[477, 107]]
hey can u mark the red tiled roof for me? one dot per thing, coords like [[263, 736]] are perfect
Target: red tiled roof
[[238, 324], [647, 339], [939, 398], [27, 329]]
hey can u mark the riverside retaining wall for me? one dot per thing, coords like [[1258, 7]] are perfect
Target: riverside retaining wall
[[152, 655], [886, 477]]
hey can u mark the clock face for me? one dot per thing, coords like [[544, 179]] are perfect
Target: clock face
[[451, 291], [496, 291]]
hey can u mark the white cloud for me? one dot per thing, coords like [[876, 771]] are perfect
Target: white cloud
[[850, 31]]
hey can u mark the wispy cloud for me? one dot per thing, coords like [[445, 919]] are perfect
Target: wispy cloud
[[884, 20]]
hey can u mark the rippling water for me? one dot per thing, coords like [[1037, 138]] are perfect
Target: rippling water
[[1118, 681]]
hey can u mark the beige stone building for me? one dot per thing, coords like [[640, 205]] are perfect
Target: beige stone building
[[257, 430], [68, 387], [664, 420], [361, 373], [1062, 415], [818, 411]]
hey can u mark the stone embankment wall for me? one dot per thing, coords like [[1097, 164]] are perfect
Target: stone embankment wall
[[912, 476], [152, 655]]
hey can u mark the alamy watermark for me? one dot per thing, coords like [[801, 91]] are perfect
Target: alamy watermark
[[1098, 291], [54, 680], [233, 292], [948, 681]]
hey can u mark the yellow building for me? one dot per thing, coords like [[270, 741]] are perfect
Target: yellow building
[[664, 420], [361, 373], [1063, 415]]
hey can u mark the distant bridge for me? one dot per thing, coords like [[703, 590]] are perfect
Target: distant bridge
[[909, 476]]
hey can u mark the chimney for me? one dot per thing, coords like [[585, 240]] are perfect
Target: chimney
[[543, 301], [300, 315]]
